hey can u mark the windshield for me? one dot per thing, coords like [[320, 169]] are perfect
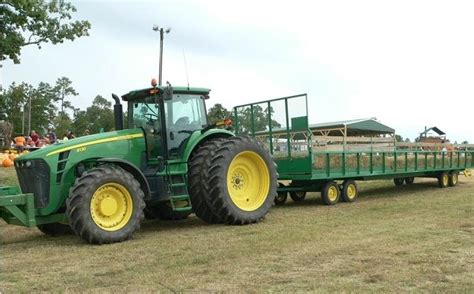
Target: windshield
[[185, 112]]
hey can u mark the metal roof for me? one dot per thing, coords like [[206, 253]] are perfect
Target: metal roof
[[434, 129], [355, 126]]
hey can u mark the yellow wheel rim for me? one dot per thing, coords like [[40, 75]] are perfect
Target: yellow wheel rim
[[351, 191], [248, 181], [111, 207], [455, 178], [332, 193], [445, 180]]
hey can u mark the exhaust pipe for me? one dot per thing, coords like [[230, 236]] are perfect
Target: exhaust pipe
[[118, 113]]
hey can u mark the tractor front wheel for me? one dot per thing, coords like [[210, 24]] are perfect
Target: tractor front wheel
[[105, 205], [242, 181]]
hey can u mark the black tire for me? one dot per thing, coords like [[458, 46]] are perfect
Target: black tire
[[164, 211], [55, 229], [281, 197], [298, 196], [330, 193], [443, 180], [117, 182], [250, 166], [198, 177], [398, 181], [453, 178], [409, 180], [350, 191]]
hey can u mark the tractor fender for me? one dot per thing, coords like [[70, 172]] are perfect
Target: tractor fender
[[198, 138], [129, 167]]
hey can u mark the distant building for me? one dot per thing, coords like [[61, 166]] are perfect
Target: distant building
[[432, 135]]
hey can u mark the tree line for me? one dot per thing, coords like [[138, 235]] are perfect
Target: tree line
[[45, 106]]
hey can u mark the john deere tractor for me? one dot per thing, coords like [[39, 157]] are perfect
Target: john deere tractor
[[168, 163]]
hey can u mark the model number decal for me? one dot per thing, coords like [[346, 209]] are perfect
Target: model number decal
[[81, 149]]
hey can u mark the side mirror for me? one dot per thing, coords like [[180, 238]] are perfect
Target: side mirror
[[168, 92]]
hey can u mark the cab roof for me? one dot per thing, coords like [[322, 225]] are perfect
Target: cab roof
[[137, 94]]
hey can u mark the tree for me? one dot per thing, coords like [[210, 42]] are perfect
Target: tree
[[407, 140], [218, 112], [35, 22], [465, 142], [12, 102], [100, 115], [398, 138], [62, 90], [259, 119]]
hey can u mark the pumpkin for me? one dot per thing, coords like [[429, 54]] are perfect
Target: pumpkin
[[7, 162]]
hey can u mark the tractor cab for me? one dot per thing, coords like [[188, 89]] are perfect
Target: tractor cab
[[168, 117]]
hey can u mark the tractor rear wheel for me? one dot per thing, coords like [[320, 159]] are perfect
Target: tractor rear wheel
[[198, 176], [164, 211], [242, 181], [55, 229], [105, 205]]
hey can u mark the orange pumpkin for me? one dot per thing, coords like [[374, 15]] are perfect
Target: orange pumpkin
[[7, 162]]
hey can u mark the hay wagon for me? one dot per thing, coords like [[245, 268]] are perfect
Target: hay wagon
[[330, 157]]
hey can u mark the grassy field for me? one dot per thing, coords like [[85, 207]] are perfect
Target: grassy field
[[397, 239]]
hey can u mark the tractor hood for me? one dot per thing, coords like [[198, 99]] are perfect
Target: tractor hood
[[82, 143]]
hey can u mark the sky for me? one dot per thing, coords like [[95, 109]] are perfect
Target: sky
[[410, 64]]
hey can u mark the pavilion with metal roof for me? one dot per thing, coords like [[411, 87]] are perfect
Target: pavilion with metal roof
[[356, 127]]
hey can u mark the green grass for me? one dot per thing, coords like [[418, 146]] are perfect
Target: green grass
[[397, 239]]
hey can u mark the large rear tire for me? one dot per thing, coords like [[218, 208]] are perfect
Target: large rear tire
[[242, 181], [105, 205], [198, 177]]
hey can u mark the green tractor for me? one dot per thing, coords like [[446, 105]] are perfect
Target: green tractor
[[168, 163]]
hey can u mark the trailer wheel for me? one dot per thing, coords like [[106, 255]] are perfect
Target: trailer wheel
[[55, 229], [298, 196], [453, 178], [198, 176], [398, 181], [330, 193], [242, 181], [409, 180], [164, 211], [443, 180], [105, 205], [281, 197], [350, 191]]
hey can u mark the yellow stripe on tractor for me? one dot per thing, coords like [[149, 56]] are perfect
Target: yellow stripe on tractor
[[119, 138]]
